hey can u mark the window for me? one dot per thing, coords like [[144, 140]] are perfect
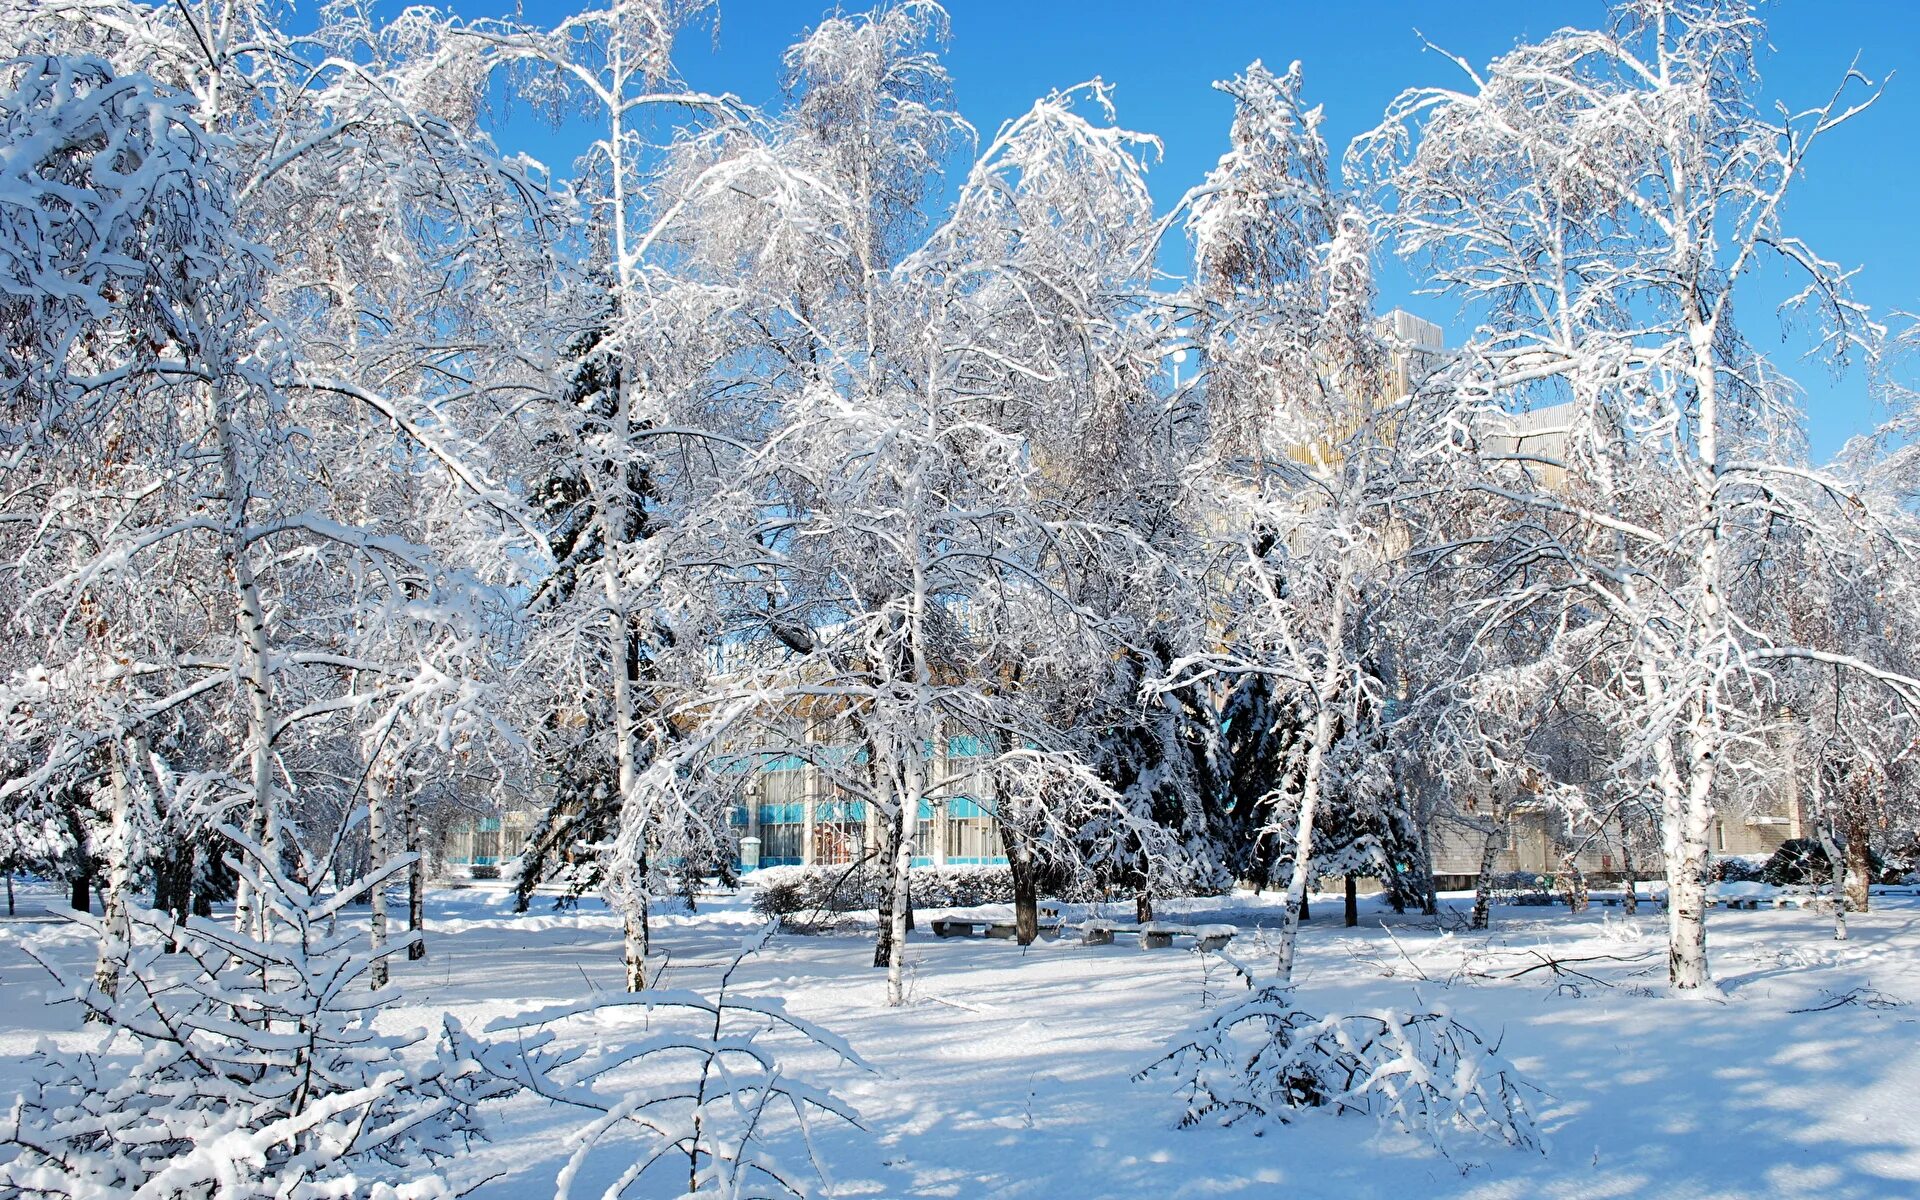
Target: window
[[973, 839], [837, 842], [780, 842], [783, 811], [924, 833]]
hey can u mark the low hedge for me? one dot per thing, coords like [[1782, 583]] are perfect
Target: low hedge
[[789, 891]]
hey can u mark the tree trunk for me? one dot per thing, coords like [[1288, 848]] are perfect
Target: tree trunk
[[1026, 889], [378, 835], [1859, 852], [1687, 806], [80, 889], [889, 851], [1329, 686], [1483, 885], [634, 950], [1353, 903], [902, 867], [1575, 884], [416, 887], [1142, 909], [1631, 904], [116, 929], [254, 673], [1837, 860], [637, 933], [1687, 862]]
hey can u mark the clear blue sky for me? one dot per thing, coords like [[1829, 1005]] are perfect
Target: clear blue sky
[[1855, 207]]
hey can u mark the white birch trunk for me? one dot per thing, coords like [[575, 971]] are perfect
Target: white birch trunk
[[1489, 859], [254, 673], [115, 928], [1689, 807], [379, 798], [416, 884], [1310, 786], [914, 786], [1837, 860]]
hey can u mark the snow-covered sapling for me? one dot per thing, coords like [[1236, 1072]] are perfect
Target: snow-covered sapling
[[1261, 1060], [244, 1067], [697, 1089]]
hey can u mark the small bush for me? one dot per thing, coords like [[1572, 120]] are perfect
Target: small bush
[[1803, 862], [1262, 1061], [1521, 887], [1799, 862], [1737, 869]]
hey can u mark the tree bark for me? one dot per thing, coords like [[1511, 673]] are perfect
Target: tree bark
[[1325, 693], [378, 835], [1837, 861], [1353, 903], [634, 947], [115, 928], [1575, 884], [637, 934], [1688, 805], [1631, 904], [416, 886], [1142, 909], [254, 673], [80, 889], [889, 851], [1026, 890], [1859, 852], [1483, 885], [1687, 862], [902, 868]]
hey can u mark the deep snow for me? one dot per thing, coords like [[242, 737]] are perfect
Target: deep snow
[[1009, 1073]]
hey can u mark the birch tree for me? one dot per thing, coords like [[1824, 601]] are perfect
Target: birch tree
[[1601, 197]]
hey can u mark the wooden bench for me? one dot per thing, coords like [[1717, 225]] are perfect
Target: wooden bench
[[1158, 935], [989, 927]]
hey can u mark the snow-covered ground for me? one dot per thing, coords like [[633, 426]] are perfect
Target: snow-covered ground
[[1010, 1072]]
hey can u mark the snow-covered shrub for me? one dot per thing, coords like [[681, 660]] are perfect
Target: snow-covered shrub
[[256, 1069], [1262, 1060], [699, 1093], [1799, 862], [1521, 887], [793, 891], [1737, 868]]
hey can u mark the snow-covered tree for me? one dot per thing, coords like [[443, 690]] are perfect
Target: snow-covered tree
[[1602, 196], [1310, 452], [636, 431]]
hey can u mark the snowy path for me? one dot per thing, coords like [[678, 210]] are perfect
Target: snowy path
[[1009, 1073]]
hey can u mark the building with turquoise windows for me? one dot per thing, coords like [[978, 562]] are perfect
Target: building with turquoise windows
[[802, 818], [483, 846]]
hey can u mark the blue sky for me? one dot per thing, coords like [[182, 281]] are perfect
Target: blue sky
[[1855, 206]]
